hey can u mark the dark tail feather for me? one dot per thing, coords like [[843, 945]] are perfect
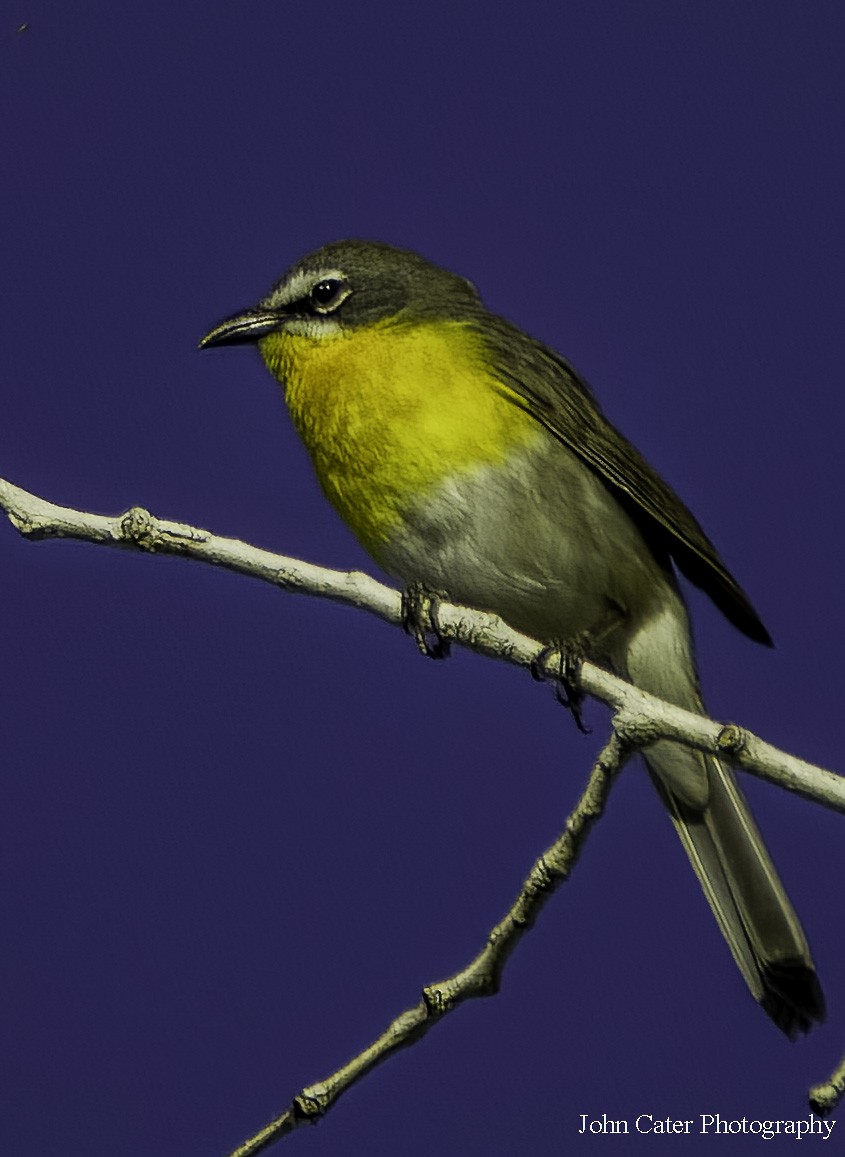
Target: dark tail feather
[[750, 903]]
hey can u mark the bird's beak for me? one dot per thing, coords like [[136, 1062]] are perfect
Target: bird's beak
[[245, 327]]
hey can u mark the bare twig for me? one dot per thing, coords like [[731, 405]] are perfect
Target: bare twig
[[825, 1097], [639, 718], [480, 977]]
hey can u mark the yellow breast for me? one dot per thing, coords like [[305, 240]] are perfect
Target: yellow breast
[[390, 411]]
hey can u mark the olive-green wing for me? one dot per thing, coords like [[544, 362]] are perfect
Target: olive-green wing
[[549, 389]]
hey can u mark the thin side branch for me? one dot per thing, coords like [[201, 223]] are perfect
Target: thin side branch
[[825, 1097], [640, 718], [481, 977]]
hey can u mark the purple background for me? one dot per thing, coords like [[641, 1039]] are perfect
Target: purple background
[[239, 829]]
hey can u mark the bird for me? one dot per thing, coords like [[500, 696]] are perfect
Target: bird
[[470, 458]]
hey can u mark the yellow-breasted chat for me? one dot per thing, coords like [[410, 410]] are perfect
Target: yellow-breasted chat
[[471, 458]]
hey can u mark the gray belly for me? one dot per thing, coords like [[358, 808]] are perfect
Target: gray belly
[[542, 542]]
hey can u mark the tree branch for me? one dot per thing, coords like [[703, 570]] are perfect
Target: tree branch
[[825, 1097], [639, 719], [480, 977]]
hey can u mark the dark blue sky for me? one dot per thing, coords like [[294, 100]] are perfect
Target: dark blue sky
[[241, 829]]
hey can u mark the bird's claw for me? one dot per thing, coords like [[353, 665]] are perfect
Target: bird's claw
[[420, 620], [569, 655]]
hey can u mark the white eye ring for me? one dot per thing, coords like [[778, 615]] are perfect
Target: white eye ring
[[328, 294]]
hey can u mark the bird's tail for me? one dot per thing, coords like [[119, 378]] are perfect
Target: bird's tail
[[743, 888], [723, 842]]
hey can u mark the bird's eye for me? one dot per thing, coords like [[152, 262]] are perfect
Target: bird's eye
[[328, 294]]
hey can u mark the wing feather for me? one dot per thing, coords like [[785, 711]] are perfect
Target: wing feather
[[545, 385]]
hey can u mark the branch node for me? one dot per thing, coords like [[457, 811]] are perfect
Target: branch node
[[437, 999], [144, 530], [138, 526], [541, 879], [731, 739], [311, 1104]]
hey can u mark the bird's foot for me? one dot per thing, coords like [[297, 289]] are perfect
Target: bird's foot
[[420, 619], [569, 656]]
